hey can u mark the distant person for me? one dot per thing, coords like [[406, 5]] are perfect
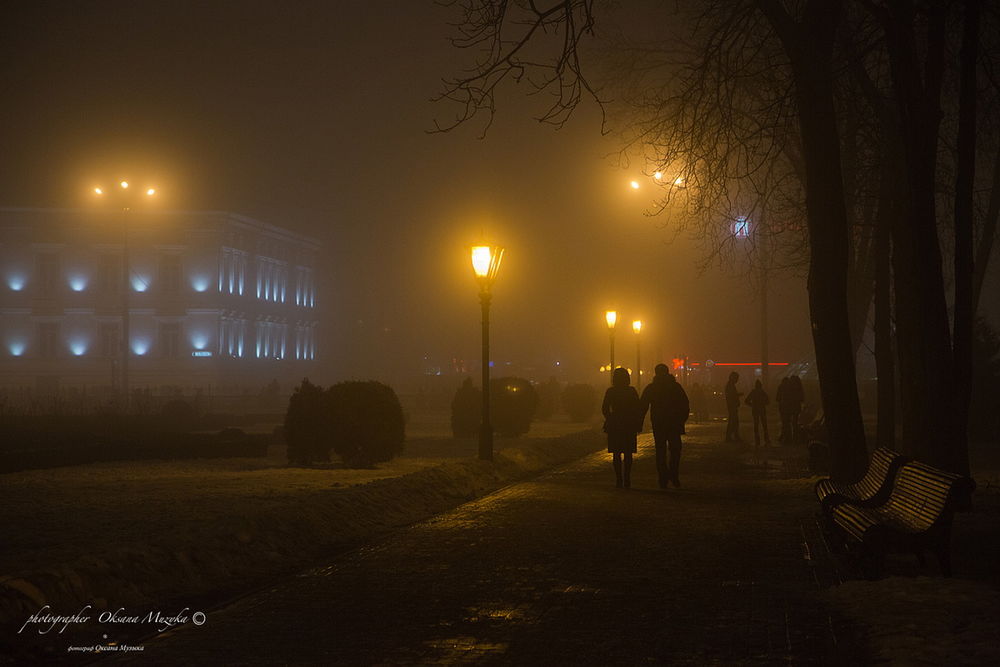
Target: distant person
[[733, 408], [668, 410], [699, 403], [622, 422], [782, 398], [758, 400]]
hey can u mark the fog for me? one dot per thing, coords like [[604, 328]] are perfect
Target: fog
[[314, 116]]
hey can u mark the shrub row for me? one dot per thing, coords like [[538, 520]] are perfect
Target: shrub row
[[361, 422], [81, 448]]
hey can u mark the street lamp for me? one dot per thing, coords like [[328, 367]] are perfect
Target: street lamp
[[637, 327], [123, 198], [486, 264], [611, 317]]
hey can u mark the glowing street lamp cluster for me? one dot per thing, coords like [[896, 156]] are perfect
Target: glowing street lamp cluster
[[611, 318]]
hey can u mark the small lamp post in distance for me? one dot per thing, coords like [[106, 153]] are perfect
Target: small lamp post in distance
[[611, 317]]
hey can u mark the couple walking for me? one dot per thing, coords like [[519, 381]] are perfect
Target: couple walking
[[624, 414]]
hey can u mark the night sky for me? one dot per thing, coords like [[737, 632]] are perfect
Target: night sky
[[314, 116]]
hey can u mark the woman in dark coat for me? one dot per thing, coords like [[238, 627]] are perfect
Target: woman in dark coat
[[622, 422]]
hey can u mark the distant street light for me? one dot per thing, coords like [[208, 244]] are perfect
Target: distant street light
[[486, 264], [637, 327], [124, 199], [611, 317]]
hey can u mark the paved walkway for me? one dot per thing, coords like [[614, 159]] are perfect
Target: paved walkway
[[563, 569]]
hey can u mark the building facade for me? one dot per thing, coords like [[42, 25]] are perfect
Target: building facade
[[215, 302]]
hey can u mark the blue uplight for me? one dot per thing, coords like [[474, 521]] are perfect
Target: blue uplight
[[16, 281], [199, 340], [78, 347], [16, 347], [140, 283], [199, 283], [78, 283], [140, 346]]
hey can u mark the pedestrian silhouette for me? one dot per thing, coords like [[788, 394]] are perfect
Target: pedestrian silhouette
[[758, 399], [622, 422], [668, 410], [699, 403], [733, 408]]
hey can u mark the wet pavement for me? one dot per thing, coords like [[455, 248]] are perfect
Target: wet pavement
[[562, 569]]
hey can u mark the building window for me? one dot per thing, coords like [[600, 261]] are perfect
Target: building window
[[48, 340], [110, 342], [170, 273], [48, 272], [170, 338]]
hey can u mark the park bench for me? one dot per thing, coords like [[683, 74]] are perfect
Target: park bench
[[915, 518], [872, 490]]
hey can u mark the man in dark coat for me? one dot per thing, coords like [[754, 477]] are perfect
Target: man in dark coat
[[668, 410]]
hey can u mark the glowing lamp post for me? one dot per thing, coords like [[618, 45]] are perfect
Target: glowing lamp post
[[486, 264], [124, 199], [637, 327], [611, 317]]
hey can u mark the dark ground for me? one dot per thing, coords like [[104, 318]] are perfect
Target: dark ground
[[564, 569]]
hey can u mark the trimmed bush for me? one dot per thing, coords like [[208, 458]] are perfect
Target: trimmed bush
[[307, 425], [579, 401], [513, 404], [466, 410], [366, 422]]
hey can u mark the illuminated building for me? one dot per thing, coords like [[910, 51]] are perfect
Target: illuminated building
[[219, 302]]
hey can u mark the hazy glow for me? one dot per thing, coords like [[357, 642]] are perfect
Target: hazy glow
[[16, 281], [199, 283], [637, 326], [78, 347], [658, 175], [151, 192], [635, 185], [679, 180], [16, 347], [140, 346], [481, 260], [78, 283], [485, 263], [140, 283], [99, 191], [124, 185], [199, 340], [611, 317]]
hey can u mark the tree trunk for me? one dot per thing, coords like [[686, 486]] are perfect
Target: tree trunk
[[922, 328], [809, 46], [885, 361], [965, 178]]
